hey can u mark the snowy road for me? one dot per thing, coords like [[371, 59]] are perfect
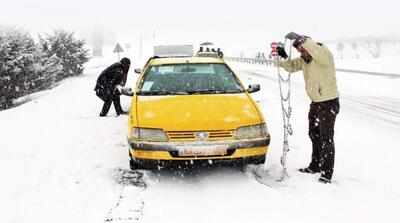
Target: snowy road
[[384, 109], [60, 162]]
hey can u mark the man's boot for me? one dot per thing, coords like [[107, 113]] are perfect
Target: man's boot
[[326, 176], [313, 167], [122, 112], [309, 170]]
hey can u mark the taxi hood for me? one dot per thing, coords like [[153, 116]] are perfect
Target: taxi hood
[[196, 112]]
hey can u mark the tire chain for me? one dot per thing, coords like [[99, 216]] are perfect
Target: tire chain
[[286, 114]]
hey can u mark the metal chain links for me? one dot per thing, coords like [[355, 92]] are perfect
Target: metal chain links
[[286, 114]]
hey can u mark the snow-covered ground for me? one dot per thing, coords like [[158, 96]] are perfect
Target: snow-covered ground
[[383, 65], [60, 162]]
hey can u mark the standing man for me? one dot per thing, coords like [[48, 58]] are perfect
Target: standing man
[[318, 67], [220, 54], [107, 85]]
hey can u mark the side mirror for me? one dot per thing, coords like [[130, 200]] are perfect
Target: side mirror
[[127, 91], [253, 88], [138, 70]]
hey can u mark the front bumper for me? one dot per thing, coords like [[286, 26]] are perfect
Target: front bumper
[[246, 149], [174, 146]]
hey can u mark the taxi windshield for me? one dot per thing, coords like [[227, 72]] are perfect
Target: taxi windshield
[[174, 79]]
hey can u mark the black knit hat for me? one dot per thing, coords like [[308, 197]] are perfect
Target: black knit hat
[[300, 41], [126, 62]]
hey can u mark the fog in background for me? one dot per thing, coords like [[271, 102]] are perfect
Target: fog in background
[[233, 25]]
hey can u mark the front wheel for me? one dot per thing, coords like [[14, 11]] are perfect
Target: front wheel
[[261, 161], [132, 164]]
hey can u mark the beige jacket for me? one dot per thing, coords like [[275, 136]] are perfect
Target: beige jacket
[[319, 74]]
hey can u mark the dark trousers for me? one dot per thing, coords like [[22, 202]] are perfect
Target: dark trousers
[[112, 98], [321, 122]]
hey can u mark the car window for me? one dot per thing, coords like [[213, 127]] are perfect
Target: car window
[[189, 79]]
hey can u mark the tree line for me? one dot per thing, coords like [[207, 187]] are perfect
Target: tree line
[[27, 67]]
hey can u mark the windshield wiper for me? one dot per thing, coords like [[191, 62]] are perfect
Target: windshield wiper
[[163, 92], [232, 91], [204, 91], [211, 91]]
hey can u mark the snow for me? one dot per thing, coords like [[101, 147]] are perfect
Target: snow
[[60, 162]]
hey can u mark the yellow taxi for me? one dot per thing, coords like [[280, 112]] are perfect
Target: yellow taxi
[[190, 110]]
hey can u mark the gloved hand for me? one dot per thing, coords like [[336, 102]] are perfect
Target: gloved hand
[[293, 36], [127, 91], [281, 52]]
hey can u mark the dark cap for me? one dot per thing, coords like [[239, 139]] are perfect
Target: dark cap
[[300, 41], [126, 62]]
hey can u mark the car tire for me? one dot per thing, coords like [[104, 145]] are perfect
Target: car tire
[[132, 164], [261, 161]]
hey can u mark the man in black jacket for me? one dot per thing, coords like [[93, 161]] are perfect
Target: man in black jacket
[[106, 86], [220, 54]]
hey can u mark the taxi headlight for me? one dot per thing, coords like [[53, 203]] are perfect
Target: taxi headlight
[[148, 134], [252, 131]]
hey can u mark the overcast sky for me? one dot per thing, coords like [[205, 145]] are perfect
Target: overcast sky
[[226, 20]]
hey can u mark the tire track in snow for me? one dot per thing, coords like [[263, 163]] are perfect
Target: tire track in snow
[[129, 206], [373, 111]]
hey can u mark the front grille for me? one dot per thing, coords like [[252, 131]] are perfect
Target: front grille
[[181, 135], [191, 135], [221, 134]]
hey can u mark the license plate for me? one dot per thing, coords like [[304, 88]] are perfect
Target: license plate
[[202, 151]]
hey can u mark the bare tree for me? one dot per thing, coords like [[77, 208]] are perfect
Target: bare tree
[[340, 48], [354, 46], [374, 47]]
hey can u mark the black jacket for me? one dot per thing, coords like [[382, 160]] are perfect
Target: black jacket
[[113, 75]]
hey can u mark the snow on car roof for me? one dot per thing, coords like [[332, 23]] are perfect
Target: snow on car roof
[[180, 60]]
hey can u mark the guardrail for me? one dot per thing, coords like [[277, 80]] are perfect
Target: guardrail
[[268, 62], [391, 75], [261, 61]]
